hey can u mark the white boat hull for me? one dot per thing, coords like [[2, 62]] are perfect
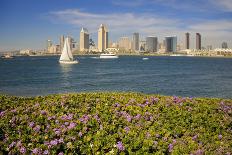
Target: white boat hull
[[68, 62], [108, 56]]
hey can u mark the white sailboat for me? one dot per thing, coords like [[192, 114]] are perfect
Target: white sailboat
[[66, 56]]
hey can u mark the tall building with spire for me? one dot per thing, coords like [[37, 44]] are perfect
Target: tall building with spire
[[84, 40], [187, 38], [102, 38], [198, 41]]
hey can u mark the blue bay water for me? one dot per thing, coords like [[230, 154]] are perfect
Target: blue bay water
[[182, 76]]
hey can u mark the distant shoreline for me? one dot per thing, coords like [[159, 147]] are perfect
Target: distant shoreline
[[134, 54]]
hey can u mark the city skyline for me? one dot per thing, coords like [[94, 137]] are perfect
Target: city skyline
[[27, 24]]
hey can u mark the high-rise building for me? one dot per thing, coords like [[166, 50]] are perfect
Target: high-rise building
[[198, 41], [102, 38], [224, 45], [84, 40], [170, 44], [61, 42], [49, 44], [187, 44], [135, 42], [124, 43], [71, 42], [151, 44], [142, 45]]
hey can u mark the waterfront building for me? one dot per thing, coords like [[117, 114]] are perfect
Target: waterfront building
[[124, 43], [151, 44], [102, 38], [187, 38], [61, 42], [142, 46], [84, 40], [198, 41], [135, 42], [224, 45], [49, 44], [170, 44]]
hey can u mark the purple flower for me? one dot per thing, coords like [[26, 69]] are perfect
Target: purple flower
[[54, 142], [61, 140], [195, 137], [22, 150], [31, 124], [170, 147], [116, 105], [46, 152], [2, 113], [84, 119], [80, 134], [61, 153], [165, 138], [72, 125], [120, 146], [66, 123], [12, 144], [220, 137], [43, 112], [58, 132], [128, 118], [35, 151], [13, 111], [19, 144], [199, 152], [97, 118], [127, 129], [36, 128], [155, 142], [174, 141], [137, 117]]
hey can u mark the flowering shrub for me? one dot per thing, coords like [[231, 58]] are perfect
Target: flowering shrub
[[115, 123]]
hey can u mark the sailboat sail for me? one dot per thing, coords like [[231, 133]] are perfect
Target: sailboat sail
[[66, 52]]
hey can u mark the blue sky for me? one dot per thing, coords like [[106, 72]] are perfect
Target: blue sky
[[29, 23]]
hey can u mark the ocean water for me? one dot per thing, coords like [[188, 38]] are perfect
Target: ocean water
[[182, 76]]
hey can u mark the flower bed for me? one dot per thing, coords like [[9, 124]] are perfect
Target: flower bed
[[115, 123]]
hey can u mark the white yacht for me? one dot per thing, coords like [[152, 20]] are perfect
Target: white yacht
[[145, 58], [108, 56], [66, 56]]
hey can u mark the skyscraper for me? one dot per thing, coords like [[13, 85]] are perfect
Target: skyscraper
[[224, 45], [84, 40], [135, 42], [61, 42], [102, 38], [170, 44], [49, 44], [198, 41], [151, 44], [187, 45]]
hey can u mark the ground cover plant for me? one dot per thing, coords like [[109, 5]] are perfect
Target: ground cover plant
[[115, 123]]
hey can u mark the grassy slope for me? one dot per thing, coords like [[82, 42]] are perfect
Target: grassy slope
[[111, 123]]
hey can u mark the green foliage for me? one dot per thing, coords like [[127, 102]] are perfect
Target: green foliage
[[115, 123]]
